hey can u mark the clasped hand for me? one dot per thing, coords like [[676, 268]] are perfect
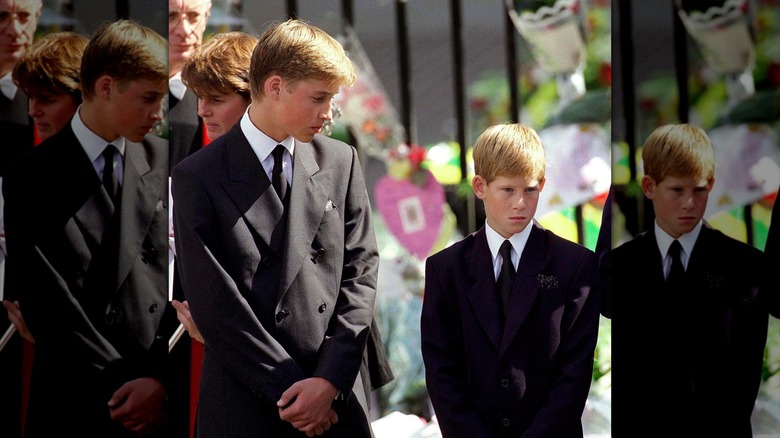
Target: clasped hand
[[307, 405], [138, 404]]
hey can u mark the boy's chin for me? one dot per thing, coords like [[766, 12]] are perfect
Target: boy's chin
[[304, 138], [136, 138]]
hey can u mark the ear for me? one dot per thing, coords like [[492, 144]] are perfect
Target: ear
[[648, 186], [480, 186], [273, 87], [712, 183], [541, 184], [104, 86]]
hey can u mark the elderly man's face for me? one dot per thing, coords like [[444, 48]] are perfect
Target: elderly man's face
[[186, 23], [18, 19]]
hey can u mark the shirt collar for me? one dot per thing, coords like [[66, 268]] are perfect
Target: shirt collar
[[517, 240], [687, 240], [261, 143], [176, 86], [92, 143], [7, 86]]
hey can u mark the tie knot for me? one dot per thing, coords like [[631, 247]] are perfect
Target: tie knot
[[278, 180], [109, 151], [674, 249], [506, 250], [110, 181], [278, 153]]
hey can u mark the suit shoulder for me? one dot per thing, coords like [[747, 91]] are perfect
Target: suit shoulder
[[155, 142], [324, 145], [729, 246], [203, 158], [454, 251], [37, 163], [566, 246], [156, 149], [630, 246]]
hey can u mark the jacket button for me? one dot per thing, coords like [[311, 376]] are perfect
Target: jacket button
[[112, 316], [322, 307], [266, 261], [504, 383], [280, 315], [152, 308], [505, 422], [320, 253]]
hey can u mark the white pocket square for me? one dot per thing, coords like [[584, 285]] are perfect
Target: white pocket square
[[329, 206]]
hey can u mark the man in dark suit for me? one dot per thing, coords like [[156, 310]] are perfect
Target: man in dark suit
[[86, 221], [510, 313], [187, 20], [18, 20], [689, 326], [277, 253]]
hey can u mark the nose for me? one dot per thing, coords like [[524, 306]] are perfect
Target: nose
[[157, 114], [688, 200], [328, 113], [35, 109], [203, 108], [15, 27], [519, 203], [182, 27]]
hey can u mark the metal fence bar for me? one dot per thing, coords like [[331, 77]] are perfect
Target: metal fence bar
[[407, 111], [510, 33]]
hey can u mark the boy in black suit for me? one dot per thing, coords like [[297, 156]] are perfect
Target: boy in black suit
[[688, 324], [276, 250], [510, 313], [86, 226]]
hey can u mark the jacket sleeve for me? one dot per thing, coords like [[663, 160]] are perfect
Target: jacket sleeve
[[562, 412], [445, 367], [345, 341]]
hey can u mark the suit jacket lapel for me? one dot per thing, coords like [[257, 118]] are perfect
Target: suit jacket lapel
[[308, 198], [653, 258], [482, 294], [251, 190], [525, 287], [91, 218], [85, 205], [141, 197]]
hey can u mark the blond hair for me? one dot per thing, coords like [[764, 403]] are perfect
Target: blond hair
[[52, 64], [221, 64], [126, 51], [509, 150], [679, 150], [296, 50]]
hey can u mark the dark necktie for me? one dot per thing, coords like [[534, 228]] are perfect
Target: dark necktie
[[277, 175], [506, 276], [677, 271], [109, 177]]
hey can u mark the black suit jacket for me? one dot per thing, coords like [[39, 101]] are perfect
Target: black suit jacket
[[16, 128], [688, 362], [531, 379], [275, 307], [185, 128], [97, 317]]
